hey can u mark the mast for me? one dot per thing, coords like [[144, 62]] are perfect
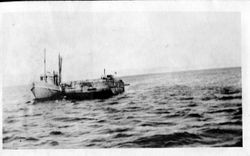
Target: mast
[[60, 68], [45, 65]]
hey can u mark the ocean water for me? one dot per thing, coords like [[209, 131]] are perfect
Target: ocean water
[[183, 109]]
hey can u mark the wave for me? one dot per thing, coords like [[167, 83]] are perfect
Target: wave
[[54, 143], [122, 135], [11, 121], [229, 97], [194, 115], [238, 122], [113, 103], [117, 130], [222, 89], [161, 111], [219, 132], [229, 110], [238, 143], [20, 138], [56, 133], [111, 110], [156, 124], [132, 108], [169, 140], [207, 97], [64, 126], [31, 139], [230, 90], [72, 119], [186, 98], [7, 139]]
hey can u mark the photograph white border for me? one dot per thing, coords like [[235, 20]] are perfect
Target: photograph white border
[[136, 6]]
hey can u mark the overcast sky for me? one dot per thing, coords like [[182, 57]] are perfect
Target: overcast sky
[[126, 42]]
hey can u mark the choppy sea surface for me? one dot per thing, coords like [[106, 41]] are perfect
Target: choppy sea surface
[[183, 109]]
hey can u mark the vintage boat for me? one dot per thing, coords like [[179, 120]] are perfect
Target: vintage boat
[[105, 87], [49, 85]]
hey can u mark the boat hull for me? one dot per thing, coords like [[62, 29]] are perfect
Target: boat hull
[[43, 91], [100, 94]]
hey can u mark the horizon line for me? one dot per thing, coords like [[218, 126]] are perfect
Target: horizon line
[[177, 71], [150, 73]]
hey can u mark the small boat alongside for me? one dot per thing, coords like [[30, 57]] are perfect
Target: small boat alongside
[[105, 87]]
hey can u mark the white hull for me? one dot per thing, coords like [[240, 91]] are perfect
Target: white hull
[[44, 90]]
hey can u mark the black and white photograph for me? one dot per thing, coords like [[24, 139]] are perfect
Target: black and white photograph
[[94, 79]]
